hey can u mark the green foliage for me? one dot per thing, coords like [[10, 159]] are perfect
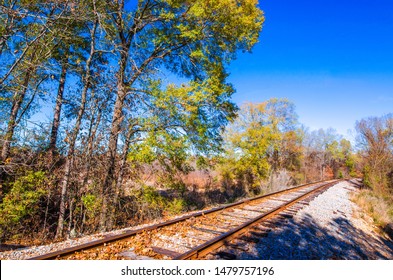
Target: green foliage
[[176, 206], [182, 118], [340, 175], [351, 164], [176, 185], [22, 201], [91, 203], [153, 204], [151, 196], [183, 124], [260, 140], [339, 152], [177, 120]]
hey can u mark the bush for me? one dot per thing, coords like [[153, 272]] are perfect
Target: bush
[[150, 196], [21, 202], [92, 204], [149, 204], [340, 175], [176, 206], [379, 207]]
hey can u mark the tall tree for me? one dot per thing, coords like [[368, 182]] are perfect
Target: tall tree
[[68, 53], [193, 39], [72, 137], [27, 42]]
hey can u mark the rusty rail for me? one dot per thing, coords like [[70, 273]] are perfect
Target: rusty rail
[[221, 240], [130, 233]]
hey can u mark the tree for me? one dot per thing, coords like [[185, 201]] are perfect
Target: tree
[[340, 157], [27, 42], [195, 40], [16, 79], [105, 64], [92, 24], [375, 137], [262, 140]]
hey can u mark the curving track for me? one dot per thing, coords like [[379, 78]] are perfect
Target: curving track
[[201, 234]]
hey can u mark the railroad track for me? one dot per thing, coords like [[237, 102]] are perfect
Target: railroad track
[[202, 234]]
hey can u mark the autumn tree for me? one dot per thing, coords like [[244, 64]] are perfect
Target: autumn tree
[[195, 40], [375, 137], [326, 155], [262, 141]]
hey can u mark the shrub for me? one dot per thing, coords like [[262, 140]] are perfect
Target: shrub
[[21, 202], [151, 196], [379, 207], [176, 206], [149, 204], [91, 203], [340, 174]]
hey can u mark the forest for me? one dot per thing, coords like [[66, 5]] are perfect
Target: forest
[[115, 113]]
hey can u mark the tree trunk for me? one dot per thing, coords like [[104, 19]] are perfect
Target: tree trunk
[[63, 199], [119, 179], [57, 111], [117, 119], [107, 189], [69, 162], [12, 123], [90, 145], [74, 135]]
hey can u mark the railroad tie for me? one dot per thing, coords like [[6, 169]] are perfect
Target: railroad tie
[[165, 252], [226, 256], [250, 239], [259, 233]]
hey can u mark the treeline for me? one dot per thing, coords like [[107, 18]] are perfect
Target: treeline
[[267, 148], [107, 74]]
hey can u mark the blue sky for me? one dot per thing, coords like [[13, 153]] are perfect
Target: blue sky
[[333, 59]]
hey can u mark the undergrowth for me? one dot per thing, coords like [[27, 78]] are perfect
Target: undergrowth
[[378, 206]]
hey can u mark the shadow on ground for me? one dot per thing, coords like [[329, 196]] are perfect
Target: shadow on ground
[[308, 240]]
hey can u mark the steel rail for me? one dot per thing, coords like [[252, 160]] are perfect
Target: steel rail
[[130, 233], [221, 240]]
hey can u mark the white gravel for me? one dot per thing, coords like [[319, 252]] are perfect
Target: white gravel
[[330, 227]]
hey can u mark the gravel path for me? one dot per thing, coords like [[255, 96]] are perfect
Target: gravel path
[[330, 227]]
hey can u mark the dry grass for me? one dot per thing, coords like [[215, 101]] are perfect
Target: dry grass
[[380, 208]]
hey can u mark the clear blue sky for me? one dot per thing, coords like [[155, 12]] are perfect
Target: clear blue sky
[[333, 59]]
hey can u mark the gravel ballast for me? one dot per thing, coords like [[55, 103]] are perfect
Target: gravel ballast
[[330, 227]]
